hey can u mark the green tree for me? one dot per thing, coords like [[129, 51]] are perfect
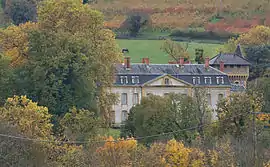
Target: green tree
[[71, 58], [259, 57], [6, 76], [80, 124], [157, 115]]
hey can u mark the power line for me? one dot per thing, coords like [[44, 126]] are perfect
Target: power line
[[100, 141]]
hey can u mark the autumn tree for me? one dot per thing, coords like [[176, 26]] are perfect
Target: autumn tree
[[14, 41], [71, 58], [175, 50], [24, 119], [259, 35]]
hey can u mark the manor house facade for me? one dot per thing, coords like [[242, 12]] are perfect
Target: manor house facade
[[134, 81]]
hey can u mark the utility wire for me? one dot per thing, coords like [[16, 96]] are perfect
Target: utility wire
[[137, 138]]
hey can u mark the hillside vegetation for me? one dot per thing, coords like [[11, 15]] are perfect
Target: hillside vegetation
[[214, 15]]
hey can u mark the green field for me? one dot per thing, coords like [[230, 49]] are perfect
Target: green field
[[139, 49]]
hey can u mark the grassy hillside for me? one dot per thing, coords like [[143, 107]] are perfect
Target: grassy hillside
[[190, 13], [139, 49]]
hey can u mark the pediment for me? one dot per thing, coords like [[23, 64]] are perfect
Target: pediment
[[167, 80]]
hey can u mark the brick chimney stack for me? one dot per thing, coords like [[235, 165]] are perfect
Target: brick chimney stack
[[221, 66], [127, 62], [206, 62], [145, 61], [181, 61]]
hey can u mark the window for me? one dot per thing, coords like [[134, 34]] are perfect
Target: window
[[124, 116], [231, 66], [135, 98], [196, 80], [167, 81], [135, 79], [209, 99], [207, 80], [220, 96], [166, 94], [220, 80], [124, 99], [237, 82], [124, 79], [112, 117]]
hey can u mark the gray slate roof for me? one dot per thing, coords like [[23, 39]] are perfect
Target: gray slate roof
[[235, 58], [172, 69], [186, 73], [229, 59]]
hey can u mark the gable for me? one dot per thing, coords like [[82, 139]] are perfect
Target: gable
[[167, 80]]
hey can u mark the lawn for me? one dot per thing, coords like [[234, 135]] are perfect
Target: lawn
[[139, 49]]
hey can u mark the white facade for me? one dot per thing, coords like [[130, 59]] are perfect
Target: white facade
[[131, 95]]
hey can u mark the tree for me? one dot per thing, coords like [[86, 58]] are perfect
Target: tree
[[21, 11], [235, 111], [135, 22], [25, 119], [71, 58], [80, 125], [14, 41], [6, 76], [157, 115], [259, 35], [259, 57], [261, 85], [175, 50]]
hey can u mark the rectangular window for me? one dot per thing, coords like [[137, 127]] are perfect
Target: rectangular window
[[124, 116], [135, 79], [220, 80], [124, 98], [220, 96], [196, 80], [135, 98], [207, 80], [209, 99], [124, 79]]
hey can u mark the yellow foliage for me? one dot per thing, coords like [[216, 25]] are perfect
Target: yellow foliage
[[119, 144], [14, 41], [259, 35], [176, 154], [29, 118]]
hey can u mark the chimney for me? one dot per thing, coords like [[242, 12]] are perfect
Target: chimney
[[221, 66], [206, 62], [127, 62], [181, 61], [145, 61]]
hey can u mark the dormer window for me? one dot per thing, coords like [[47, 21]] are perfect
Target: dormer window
[[196, 80], [124, 79], [207, 80], [220, 80], [135, 79]]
